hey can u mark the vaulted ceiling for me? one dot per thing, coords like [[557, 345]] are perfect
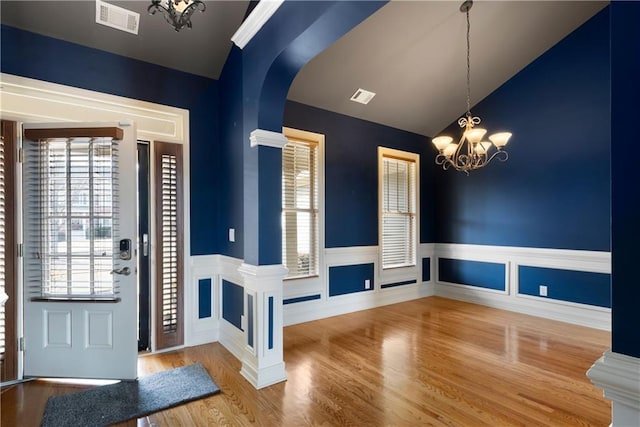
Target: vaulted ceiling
[[412, 54]]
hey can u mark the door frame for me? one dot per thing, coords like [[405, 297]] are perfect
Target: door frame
[[30, 100], [144, 247]]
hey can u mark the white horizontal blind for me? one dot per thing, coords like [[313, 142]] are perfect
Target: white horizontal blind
[[169, 229], [3, 241], [300, 207], [398, 212], [71, 187]]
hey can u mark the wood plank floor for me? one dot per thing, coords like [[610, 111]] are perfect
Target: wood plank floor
[[431, 361]]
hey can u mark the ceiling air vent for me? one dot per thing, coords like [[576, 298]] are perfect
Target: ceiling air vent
[[117, 17], [362, 96]]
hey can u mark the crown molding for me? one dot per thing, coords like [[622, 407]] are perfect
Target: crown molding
[[254, 22]]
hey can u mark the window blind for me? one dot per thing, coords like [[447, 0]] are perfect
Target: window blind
[[8, 258], [398, 212], [3, 241], [169, 229], [169, 244], [71, 187], [300, 207]]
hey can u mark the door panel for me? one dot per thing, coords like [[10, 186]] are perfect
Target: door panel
[[79, 320]]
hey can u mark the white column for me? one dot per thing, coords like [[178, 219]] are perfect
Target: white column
[[263, 362], [618, 375]]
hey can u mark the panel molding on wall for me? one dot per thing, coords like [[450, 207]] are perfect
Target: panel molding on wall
[[380, 295], [511, 299]]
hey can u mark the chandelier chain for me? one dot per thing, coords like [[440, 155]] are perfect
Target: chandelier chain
[[468, 65]]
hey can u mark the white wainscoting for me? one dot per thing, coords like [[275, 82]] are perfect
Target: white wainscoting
[[510, 299], [219, 267], [210, 329], [328, 306]]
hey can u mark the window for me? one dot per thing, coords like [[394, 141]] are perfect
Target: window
[[8, 340], [169, 245], [300, 203], [398, 182], [70, 187]]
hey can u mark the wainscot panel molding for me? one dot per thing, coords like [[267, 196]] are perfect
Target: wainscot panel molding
[[510, 298], [217, 268], [326, 306], [232, 339], [205, 330], [343, 304], [263, 358], [618, 375]]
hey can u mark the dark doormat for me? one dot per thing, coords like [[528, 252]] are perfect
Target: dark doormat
[[126, 400]]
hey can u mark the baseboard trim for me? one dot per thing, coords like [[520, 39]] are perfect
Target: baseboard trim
[[577, 314], [618, 375], [343, 304]]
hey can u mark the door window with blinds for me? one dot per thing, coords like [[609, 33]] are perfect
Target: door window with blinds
[[169, 244], [300, 203], [398, 182], [70, 186]]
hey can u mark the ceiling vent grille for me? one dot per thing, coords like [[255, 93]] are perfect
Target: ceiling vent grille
[[117, 17], [362, 96]]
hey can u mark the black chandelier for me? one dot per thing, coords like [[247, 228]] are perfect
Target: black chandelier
[[177, 12]]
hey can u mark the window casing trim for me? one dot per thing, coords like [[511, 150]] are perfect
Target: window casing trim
[[315, 279], [413, 268]]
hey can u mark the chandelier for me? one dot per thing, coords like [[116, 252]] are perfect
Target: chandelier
[[177, 12], [471, 152]]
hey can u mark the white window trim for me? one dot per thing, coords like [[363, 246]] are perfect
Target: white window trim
[[388, 275], [305, 285]]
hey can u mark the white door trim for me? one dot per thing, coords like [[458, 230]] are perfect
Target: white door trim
[[28, 100]]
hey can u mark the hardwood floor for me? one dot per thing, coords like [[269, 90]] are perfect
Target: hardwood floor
[[431, 361]]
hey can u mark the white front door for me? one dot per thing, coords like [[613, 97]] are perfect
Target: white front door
[[79, 219]]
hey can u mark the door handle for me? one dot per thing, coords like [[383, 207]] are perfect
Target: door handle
[[145, 244], [125, 271]]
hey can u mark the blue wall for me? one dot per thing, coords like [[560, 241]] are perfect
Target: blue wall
[[44, 58], [553, 192], [625, 182], [347, 279], [487, 275], [565, 285], [231, 158], [351, 173], [233, 304], [204, 298]]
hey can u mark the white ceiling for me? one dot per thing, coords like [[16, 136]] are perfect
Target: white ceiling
[[411, 53]]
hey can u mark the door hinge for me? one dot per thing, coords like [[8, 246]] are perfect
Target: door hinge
[[20, 155], [20, 250], [21, 344]]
